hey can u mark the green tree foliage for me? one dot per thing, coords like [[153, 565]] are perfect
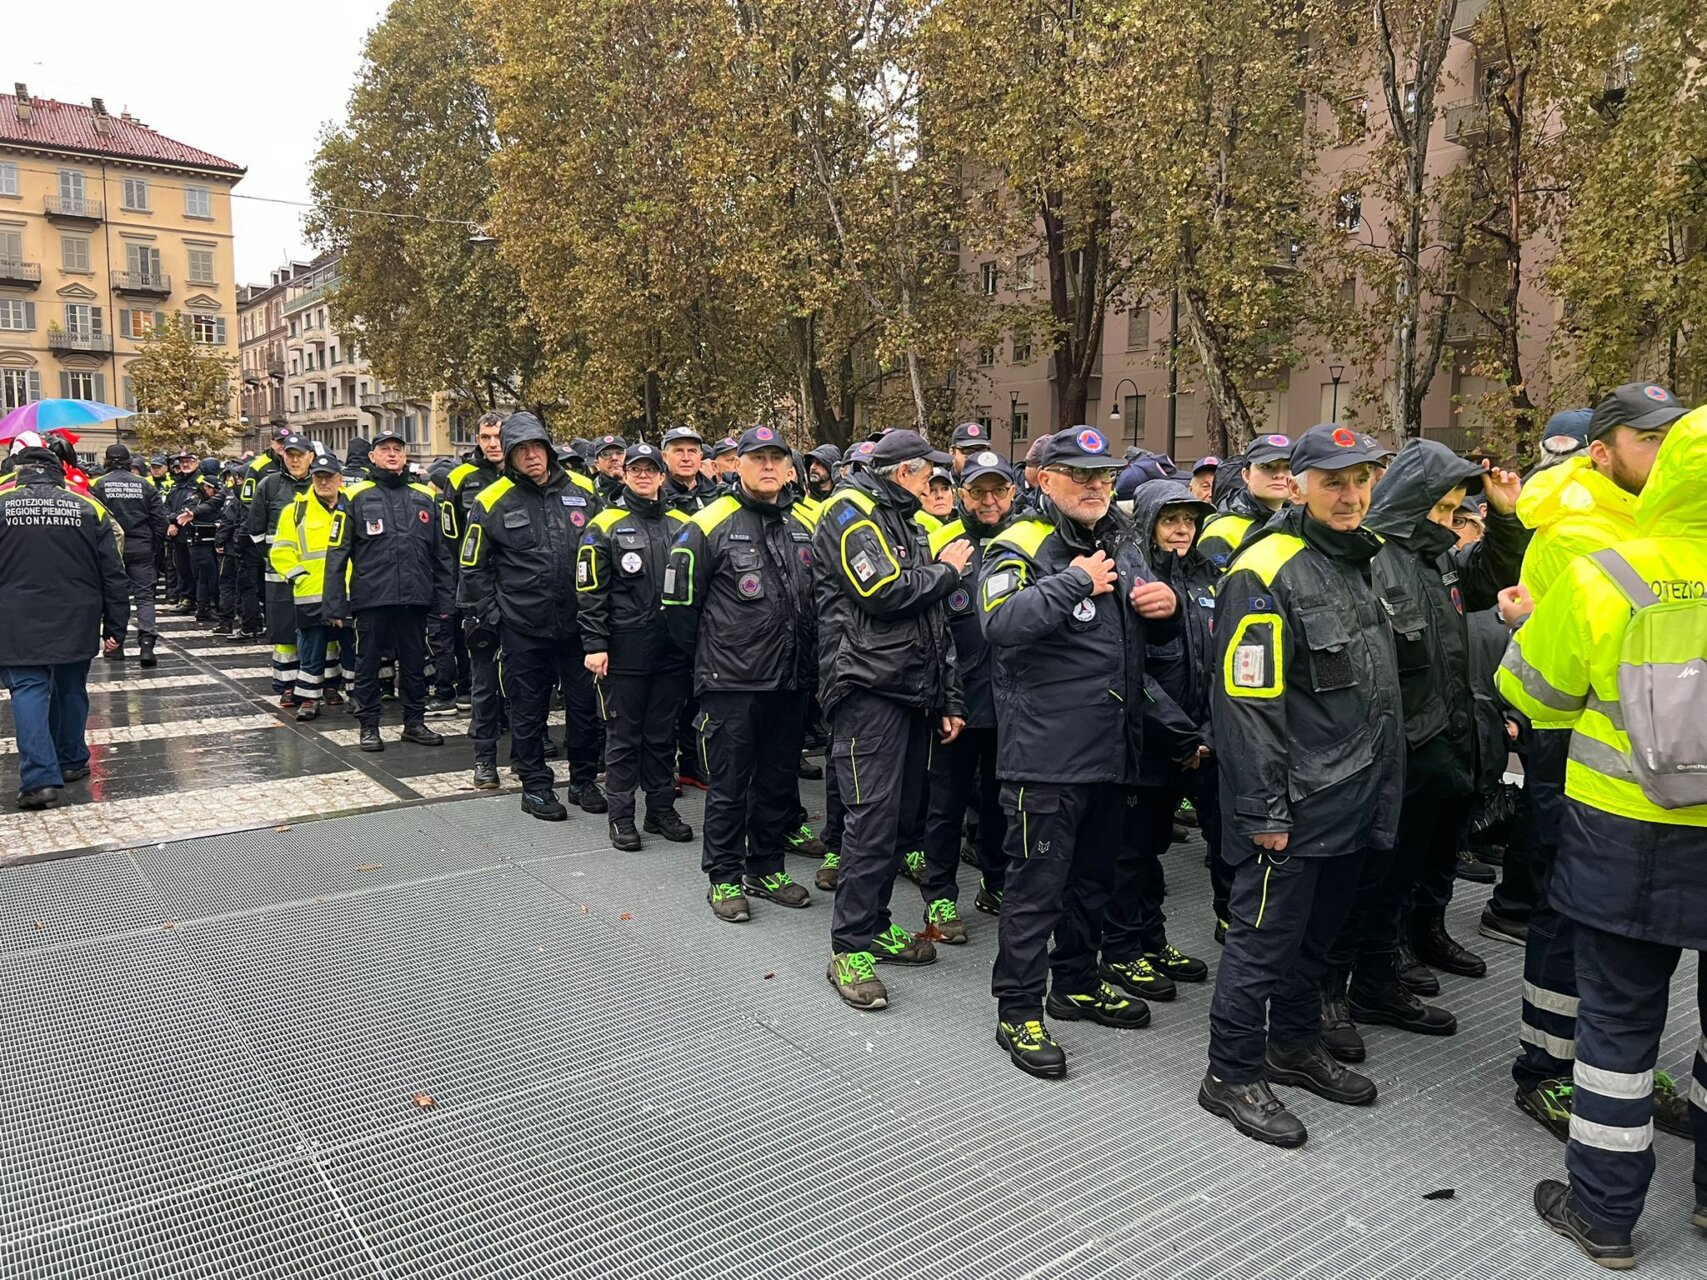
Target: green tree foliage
[[182, 391], [399, 190]]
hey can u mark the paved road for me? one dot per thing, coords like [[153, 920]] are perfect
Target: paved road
[[198, 745]]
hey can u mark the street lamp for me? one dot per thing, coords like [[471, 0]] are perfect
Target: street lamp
[[1336, 372], [1114, 409], [1013, 421]]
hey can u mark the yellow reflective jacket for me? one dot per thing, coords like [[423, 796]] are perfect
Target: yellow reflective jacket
[[298, 552], [1574, 510], [1562, 667]]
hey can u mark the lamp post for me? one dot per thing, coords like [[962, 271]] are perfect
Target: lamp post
[[1336, 372], [1013, 421], [1114, 409]]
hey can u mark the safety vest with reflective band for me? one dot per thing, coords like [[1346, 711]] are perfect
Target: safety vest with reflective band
[[298, 551], [1574, 510], [1563, 668], [251, 478]]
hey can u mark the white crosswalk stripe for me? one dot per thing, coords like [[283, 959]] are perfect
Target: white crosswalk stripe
[[145, 682], [199, 726], [450, 728]]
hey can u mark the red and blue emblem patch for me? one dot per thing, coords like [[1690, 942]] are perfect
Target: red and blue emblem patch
[[1091, 441]]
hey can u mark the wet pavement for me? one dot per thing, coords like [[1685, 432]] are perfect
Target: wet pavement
[[198, 745]]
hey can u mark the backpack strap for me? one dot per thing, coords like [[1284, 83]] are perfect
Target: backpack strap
[[1625, 578]]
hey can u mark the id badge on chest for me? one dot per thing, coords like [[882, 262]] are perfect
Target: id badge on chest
[[375, 528]]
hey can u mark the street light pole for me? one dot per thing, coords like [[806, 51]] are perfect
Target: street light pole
[[1336, 372], [1114, 409], [1013, 421]]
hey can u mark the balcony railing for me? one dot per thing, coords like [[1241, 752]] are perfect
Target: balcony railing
[[1466, 325], [1469, 123], [77, 340], [380, 399], [308, 299], [74, 208], [151, 283], [27, 274], [275, 367], [1465, 15]]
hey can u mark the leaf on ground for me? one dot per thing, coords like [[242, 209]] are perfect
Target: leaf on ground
[[281, 828], [769, 976], [425, 1101], [370, 866], [626, 915], [1445, 1193]]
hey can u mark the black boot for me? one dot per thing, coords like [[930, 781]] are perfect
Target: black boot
[[422, 736], [1558, 1209], [1392, 1006], [544, 805], [1312, 1067], [1338, 1034], [370, 739], [146, 644], [1416, 976], [1254, 1111], [623, 836], [668, 823], [1434, 946], [585, 793]]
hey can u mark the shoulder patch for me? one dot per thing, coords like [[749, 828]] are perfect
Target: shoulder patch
[[492, 492], [714, 515], [1267, 556]]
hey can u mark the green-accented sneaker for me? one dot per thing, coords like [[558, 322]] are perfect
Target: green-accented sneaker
[[1550, 1103], [1185, 814], [802, 841], [913, 866], [1105, 1005], [896, 946], [1032, 1048], [1221, 927], [830, 872], [856, 981], [1138, 977], [1671, 1108], [778, 888], [989, 901], [1177, 965], [944, 917], [728, 903]]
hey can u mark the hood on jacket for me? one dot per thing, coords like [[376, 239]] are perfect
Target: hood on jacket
[[1138, 474], [827, 455], [1148, 502], [1674, 501], [1229, 482], [1573, 488], [1423, 473], [519, 428]]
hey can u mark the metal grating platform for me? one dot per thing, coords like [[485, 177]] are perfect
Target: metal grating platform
[[208, 1051]]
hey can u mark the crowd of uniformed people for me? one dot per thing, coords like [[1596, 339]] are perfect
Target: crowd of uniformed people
[[1047, 672]]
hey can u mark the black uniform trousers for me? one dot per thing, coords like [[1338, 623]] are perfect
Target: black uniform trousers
[[879, 749], [394, 630], [1368, 946], [1625, 986], [749, 751], [250, 571], [442, 635], [963, 771], [533, 667], [182, 568], [204, 567], [1547, 1034], [1135, 923], [639, 712], [1061, 842], [1284, 914], [485, 702], [230, 570], [689, 764], [835, 812]]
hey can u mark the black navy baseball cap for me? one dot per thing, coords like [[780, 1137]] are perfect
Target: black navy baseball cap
[[904, 446], [971, 435], [755, 438], [643, 452], [1079, 446], [1641, 406], [325, 464], [1269, 448], [987, 463], [604, 444], [681, 433], [1325, 447]]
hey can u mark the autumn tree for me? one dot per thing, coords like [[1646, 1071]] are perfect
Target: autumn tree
[[182, 390], [401, 189], [1631, 271]]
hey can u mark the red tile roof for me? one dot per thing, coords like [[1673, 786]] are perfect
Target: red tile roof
[[71, 125]]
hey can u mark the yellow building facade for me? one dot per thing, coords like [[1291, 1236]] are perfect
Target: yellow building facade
[[106, 229]]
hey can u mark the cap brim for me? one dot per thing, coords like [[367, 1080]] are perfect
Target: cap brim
[[1340, 459], [1659, 416], [938, 459]]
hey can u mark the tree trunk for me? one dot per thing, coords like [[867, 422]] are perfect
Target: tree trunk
[[1236, 425]]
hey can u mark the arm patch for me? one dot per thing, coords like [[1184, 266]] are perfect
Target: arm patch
[[1254, 666], [1006, 579], [471, 546]]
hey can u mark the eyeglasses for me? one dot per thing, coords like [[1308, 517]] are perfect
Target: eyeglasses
[[1086, 477], [983, 497]]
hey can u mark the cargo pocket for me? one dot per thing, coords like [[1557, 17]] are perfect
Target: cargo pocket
[[1410, 633], [745, 567], [518, 530], [1034, 805], [1332, 765], [1330, 645]]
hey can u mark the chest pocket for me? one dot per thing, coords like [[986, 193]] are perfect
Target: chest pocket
[[1330, 645], [519, 531], [745, 568], [1410, 631], [630, 553], [1084, 615]]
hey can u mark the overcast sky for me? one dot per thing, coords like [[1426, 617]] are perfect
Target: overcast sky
[[251, 83]]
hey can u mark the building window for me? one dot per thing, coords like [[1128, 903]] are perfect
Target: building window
[[11, 246], [207, 329], [81, 384], [201, 266], [1022, 350], [198, 202], [407, 424], [1354, 122], [1137, 329], [83, 321], [74, 253], [1348, 213], [71, 190], [138, 325], [142, 261], [987, 277], [19, 387], [8, 179], [1021, 423], [136, 194], [1134, 424], [332, 354], [983, 420], [986, 355], [16, 313]]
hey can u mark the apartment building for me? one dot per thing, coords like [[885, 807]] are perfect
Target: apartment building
[[1132, 398], [106, 229], [331, 395], [262, 334]]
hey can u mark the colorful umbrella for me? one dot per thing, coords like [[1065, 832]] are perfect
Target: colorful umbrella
[[54, 415]]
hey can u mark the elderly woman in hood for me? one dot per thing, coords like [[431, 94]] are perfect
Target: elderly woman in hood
[[1177, 762]]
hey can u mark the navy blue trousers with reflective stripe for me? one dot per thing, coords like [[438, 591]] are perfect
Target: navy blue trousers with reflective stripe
[[1625, 986], [1548, 1033]]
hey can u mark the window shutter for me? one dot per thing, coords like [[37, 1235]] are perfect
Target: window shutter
[[159, 322], [100, 381], [35, 385], [219, 330], [64, 385], [96, 325], [126, 328], [29, 315]]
